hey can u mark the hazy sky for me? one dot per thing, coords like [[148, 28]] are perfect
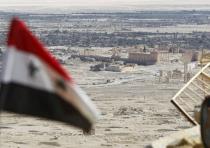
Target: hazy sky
[[63, 6], [98, 2]]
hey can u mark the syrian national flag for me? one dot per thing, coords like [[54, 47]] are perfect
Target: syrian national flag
[[34, 83]]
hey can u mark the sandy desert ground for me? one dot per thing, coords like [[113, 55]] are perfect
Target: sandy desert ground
[[135, 110]]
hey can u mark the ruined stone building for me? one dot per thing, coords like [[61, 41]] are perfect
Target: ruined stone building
[[143, 58]]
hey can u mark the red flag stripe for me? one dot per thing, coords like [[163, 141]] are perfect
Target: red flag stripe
[[21, 38]]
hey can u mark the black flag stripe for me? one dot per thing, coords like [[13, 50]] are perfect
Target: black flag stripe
[[26, 100]]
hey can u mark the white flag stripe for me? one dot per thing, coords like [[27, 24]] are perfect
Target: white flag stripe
[[83, 103], [17, 70], [74, 95]]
